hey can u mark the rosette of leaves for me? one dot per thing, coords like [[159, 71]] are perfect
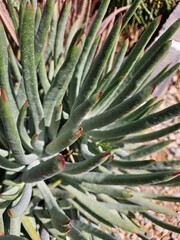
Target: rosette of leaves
[[73, 127]]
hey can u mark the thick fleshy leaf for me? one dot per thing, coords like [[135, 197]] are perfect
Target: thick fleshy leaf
[[14, 237], [161, 223], [30, 228], [61, 81], [130, 164], [43, 28], [64, 140], [93, 230], [43, 75], [12, 193], [116, 112], [5, 82], [15, 226], [87, 165], [140, 124], [29, 69], [113, 191], [153, 135], [8, 165], [80, 113], [25, 139], [13, 14], [130, 13], [122, 179], [97, 208], [90, 82], [18, 209], [59, 219], [44, 170], [58, 48], [11, 129], [152, 206], [134, 80], [51, 35], [147, 150], [119, 79]]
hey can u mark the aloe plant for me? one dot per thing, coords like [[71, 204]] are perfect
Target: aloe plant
[[72, 127]]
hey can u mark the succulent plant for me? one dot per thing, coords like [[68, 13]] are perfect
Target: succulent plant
[[73, 123]]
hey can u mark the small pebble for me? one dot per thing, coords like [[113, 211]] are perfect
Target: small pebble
[[174, 236], [158, 228], [166, 238], [150, 233]]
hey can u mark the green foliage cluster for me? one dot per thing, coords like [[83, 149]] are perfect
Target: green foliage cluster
[[147, 10]]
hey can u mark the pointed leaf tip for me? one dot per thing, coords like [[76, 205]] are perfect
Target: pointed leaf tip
[[80, 131], [79, 42], [9, 213], [68, 222], [84, 32], [68, 230], [26, 102], [29, 5], [100, 94], [153, 89], [176, 174], [67, 1], [63, 162], [121, 18], [159, 19], [3, 94], [59, 107], [106, 155]]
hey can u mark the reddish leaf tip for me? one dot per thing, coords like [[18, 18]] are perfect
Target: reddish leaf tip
[[159, 19], [127, 40], [9, 213], [63, 161], [29, 5], [100, 94], [3, 94], [59, 107], [80, 131], [26, 102], [84, 32], [170, 64], [68, 222], [67, 1], [106, 155], [176, 174], [79, 42], [153, 89], [67, 230], [121, 18]]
